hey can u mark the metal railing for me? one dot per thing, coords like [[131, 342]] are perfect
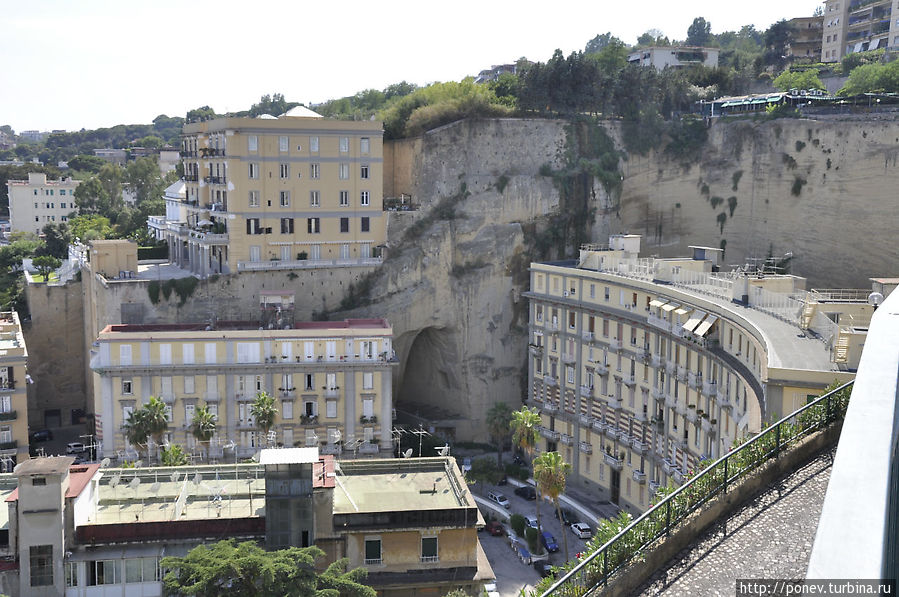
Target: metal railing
[[639, 537]]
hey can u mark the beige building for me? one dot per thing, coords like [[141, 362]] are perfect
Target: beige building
[[13, 399], [643, 367], [806, 38], [36, 202], [275, 193], [331, 381], [858, 26], [674, 57]]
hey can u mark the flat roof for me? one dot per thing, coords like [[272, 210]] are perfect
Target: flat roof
[[346, 324], [50, 465], [399, 484]]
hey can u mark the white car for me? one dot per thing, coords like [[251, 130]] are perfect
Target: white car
[[532, 521], [582, 530], [499, 499], [75, 448]]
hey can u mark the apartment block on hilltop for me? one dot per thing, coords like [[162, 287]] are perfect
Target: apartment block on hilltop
[[331, 380], [273, 193], [13, 401], [90, 531], [858, 26], [643, 367], [806, 38], [662, 57], [36, 202]]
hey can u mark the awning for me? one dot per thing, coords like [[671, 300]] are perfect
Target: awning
[[681, 311], [670, 307], [694, 320], [656, 303], [705, 325]]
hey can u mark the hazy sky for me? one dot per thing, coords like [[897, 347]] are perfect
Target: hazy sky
[[93, 63]]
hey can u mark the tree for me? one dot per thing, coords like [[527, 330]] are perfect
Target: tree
[[699, 33], [248, 570], [777, 37], [86, 163], [136, 430], [172, 455], [275, 105], [599, 42], [155, 420], [150, 142], [524, 435], [653, 37], [264, 412], [45, 264], [201, 113], [873, 78], [499, 419], [803, 79], [56, 240], [87, 227], [203, 426], [551, 472]]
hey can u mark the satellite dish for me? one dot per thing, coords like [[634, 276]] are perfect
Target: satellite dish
[[198, 478], [114, 482], [104, 463], [407, 453], [134, 484], [138, 463], [176, 476], [444, 450], [874, 299], [154, 488]]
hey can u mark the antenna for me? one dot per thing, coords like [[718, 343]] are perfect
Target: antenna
[[444, 451]]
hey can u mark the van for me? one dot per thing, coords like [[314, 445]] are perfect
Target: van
[[499, 499]]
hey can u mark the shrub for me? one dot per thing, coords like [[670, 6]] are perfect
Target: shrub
[[518, 523]]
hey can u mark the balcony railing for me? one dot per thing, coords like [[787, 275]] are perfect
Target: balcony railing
[[601, 369], [550, 380], [586, 391], [307, 264], [550, 408], [613, 462], [599, 426], [429, 559], [586, 447], [615, 403], [8, 416], [586, 420], [587, 336], [332, 392], [568, 357], [671, 513], [566, 439], [628, 380], [656, 360], [372, 561], [614, 345], [709, 388], [658, 394], [638, 445], [611, 432], [10, 445], [640, 477]]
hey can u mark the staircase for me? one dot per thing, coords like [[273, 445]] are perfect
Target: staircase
[[808, 313], [841, 347]]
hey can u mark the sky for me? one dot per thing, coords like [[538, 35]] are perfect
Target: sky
[[96, 63]]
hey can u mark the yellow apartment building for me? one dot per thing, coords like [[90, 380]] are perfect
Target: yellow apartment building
[[643, 367], [13, 401], [858, 26], [273, 193], [331, 381], [36, 202]]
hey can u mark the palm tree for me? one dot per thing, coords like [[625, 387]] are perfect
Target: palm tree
[[550, 472], [499, 417], [203, 427], [524, 436], [156, 419], [136, 432], [264, 412]]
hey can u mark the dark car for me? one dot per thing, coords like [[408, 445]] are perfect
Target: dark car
[[41, 435], [527, 492], [495, 528], [568, 517], [549, 542], [544, 569]]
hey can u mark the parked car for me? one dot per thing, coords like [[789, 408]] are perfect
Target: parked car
[[582, 530], [523, 553], [499, 499], [495, 528], [503, 480], [532, 521], [519, 460], [549, 542], [544, 569], [75, 448], [41, 435], [527, 492], [567, 517]]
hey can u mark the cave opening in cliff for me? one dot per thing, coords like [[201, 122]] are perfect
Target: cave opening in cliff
[[429, 387]]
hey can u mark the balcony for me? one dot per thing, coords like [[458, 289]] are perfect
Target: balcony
[[709, 426], [586, 420], [641, 354], [369, 448], [601, 369], [640, 416], [709, 388], [552, 326], [658, 322], [640, 477], [9, 384], [694, 381], [586, 391], [655, 360], [628, 380], [568, 357], [215, 180], [8, 416], [549, 434], [638, 445], [550, 408], [653, 487], [10, 445], [535, 349], [550, 380], [658, 394], [616, 403], [723, 400], [611, 432], [586, 447], [330, 449], [670, 367], [588, 336], [682, 373], [614, 345], [670, 401], [667, 466], [691, 413], [678, 476], [331, 392], [613, 462], [599, 426], [566, 439]]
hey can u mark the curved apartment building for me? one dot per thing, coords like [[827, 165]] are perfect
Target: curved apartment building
[[643, 367]]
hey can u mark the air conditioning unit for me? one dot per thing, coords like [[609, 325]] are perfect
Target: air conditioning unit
[[564, 293]]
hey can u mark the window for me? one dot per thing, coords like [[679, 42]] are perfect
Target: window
[[253, 226], [569, 374], [368, 381], [344, 198], [187, 354], [284, 170], [142, 570], [363, 171], [314, 170], [344, 144], [189, 384], [252, 143], [284, 197], [343, 171], [127, 386], [368, 407], [72, 569], [189, 410], [62, 205], [309, 381], [313, 144], [313, 225], [344, 224], [372, 551], [286, 225], [254, 198], [364, 198], [331, 409], [125, 354], [165, 354], [253, 170], [429, 549], [287, 409], [282, 143], [366, 226], [314, 199], [103, 572], [365, 145], [41, 560], [309, 408]]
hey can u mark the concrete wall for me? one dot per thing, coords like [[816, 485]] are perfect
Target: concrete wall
[[56, 351]]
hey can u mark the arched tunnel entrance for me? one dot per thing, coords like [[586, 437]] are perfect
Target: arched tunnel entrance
[[430, 381]]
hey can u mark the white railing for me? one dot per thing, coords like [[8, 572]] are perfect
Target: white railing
[[780, 305], [718, 284]]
